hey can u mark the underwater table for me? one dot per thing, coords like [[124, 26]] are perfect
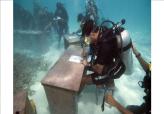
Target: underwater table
[[62, 82], [40, 36], [71, 39]]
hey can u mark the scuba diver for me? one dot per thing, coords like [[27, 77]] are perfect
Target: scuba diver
[[48, 18], [91, 11], [16, 13], [36, 9], [81, 20], [40, 20], [146, 83], [60, 21], [111, 53], [26, 20], [90, 14], [45, 19]]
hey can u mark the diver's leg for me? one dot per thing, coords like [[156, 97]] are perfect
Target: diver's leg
[[60, 35], [86, 80]]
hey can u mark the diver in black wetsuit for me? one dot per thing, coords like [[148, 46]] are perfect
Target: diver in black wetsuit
[[26, 20], [61, 18], [35, 13], [44, 19], [91, 11], [81, 20], [48, 19], [16, 13]]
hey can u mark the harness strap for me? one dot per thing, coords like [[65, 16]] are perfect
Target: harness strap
[[127, 46]]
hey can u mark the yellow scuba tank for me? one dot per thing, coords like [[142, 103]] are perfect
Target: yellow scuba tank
[[33, 106]]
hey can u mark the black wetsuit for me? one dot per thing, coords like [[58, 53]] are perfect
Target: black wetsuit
[[44, 20], [16, 13], [106, 52], [26, 19]]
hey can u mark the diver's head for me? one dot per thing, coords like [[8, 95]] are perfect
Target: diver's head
[[40, 13], [59, 5], [23, 10], [80, 18], [90, 31], [91, 2], [35, 3]]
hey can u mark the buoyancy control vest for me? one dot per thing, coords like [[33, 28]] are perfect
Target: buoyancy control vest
[[114, 67]]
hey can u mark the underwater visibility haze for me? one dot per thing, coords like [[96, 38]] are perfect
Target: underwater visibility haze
[[34, 57]]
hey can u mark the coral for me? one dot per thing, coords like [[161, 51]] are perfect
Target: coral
[[25, 71]]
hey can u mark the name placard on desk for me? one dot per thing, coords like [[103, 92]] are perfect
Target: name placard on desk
[[71, 39]]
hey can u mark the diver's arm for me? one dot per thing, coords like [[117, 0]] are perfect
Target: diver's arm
[[142, 62], [78, 31], [96, 68], [49, 25], [111, 101], [122, 109]]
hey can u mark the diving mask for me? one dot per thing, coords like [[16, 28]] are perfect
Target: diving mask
[[40, 13]]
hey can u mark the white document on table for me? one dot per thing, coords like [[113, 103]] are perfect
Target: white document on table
[[76, 59]]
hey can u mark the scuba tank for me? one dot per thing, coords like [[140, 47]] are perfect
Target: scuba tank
[[127, 57]]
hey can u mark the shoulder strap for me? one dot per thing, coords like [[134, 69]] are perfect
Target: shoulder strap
[[109, 39], [105, 34]]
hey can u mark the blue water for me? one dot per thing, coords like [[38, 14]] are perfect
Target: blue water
[[137, 14]]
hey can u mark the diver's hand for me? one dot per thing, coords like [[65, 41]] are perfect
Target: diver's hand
[[134, 49], [109, 99], [85, 54], [84, 62]]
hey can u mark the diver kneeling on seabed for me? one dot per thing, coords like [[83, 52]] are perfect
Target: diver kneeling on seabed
[[111, 53]]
